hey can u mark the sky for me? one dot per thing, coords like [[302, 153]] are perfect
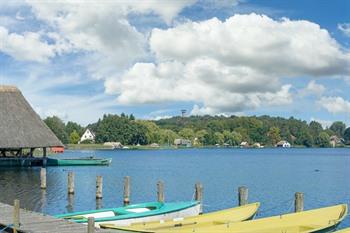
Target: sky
[[81, 59]]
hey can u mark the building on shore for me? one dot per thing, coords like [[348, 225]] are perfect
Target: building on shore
[[182, 142], [283, 143], [244, 144], [88, 135], [21, 130]]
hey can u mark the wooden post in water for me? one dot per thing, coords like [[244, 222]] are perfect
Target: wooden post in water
[[99, 183], [16, 217], [299, 202], [242, 195], [126, 190], [160, 191], [70, 183], [91, 224], [199, 195], [44, 157], [43, 178]]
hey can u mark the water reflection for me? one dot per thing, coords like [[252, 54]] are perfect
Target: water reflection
[[70, 205], [98, 203]]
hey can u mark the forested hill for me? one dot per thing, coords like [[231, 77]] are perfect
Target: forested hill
[[205, 130]]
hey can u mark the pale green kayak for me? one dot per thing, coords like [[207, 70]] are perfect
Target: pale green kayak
[[136, 213]]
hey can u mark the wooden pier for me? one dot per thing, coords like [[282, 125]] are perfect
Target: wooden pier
[[33, 222]]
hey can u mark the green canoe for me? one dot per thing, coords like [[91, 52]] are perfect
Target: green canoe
[[78, 162], [145, 212]]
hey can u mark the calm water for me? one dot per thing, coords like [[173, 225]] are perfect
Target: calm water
[[272, 176]]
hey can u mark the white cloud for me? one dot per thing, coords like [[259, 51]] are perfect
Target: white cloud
[[220, 88], [335, 105], [28, 46], [276, 47], [102, 30], [345, 28], [312, 88], [230, 66]]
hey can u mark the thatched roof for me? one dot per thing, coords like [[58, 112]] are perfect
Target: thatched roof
[[20, 126]]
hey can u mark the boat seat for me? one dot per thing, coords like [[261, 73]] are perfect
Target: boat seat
[[138, 210]]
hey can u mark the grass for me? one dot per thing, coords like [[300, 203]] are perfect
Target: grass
[[87, 147]]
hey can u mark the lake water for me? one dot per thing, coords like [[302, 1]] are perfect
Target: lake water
[[272, 176]]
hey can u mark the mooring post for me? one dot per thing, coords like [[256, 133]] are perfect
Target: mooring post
[[99, 184], [242, 195], [160, 191], [199, 195], [44, 156], [91, 224], [298, 202], [70, 183], [16, 218], [43, 178], [126, 190]]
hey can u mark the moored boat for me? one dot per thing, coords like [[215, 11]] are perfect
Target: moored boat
[[144, 212], [231, 215], [317, 220], [78, 162]]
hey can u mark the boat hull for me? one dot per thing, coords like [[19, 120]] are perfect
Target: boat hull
[[78, 162], [144, 212], [236, 214], [321, 220], [192, 211]]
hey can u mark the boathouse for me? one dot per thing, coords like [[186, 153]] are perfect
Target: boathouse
[[22, 131]]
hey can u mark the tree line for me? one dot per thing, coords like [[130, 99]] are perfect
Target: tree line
[[203, 130]]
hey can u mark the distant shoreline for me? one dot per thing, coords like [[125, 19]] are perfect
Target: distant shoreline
[[147, 147]]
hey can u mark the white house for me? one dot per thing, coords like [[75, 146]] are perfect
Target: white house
[[88, 135], [182, 142], [283, 143]]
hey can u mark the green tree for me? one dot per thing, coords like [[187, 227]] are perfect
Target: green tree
[[274, 135], [202, 136], [153, 131], [58, 128], [71, 126], [322, 140], [338, 128], [347, 136], [74, 137], [167, 136], [187, 133], [218, 138], [304, 138], [232, 138], [315, 129]]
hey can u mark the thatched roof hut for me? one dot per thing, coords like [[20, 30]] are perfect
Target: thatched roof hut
[[20, 126]]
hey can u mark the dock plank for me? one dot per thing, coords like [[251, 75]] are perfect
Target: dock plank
[[33, 222]]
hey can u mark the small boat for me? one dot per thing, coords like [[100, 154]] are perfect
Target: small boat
[[78, 162], [237, 214], [346, 230], [317, 220], [144, 212]]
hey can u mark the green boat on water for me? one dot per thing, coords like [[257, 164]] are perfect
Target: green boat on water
[[78, 162], [136, 213], [39, 161]]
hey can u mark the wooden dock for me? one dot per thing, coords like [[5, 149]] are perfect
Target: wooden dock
[[33, 222]]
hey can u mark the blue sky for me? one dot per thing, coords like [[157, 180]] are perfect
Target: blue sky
[[153, 58]]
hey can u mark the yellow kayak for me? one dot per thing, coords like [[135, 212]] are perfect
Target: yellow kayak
[[231, 215], [317, 220], [346, 230]]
